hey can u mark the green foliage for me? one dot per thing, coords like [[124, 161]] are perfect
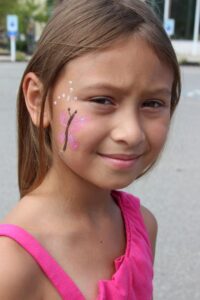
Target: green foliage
[[21, 45], [20, 56], [51, 4], [6, 7], [26, 10], [30, 10]]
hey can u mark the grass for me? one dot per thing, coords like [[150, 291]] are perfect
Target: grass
[[20, 56]]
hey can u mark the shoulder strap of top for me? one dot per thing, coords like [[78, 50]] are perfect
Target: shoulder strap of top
[[62, 282], [132, 212]]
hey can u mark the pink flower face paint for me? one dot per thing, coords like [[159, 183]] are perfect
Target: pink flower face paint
[[72, 124], [72, 142]]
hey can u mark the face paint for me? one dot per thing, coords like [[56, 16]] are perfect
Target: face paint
[[70, 121], [68, 97], [71, 117], [75, 126], [72, 142]]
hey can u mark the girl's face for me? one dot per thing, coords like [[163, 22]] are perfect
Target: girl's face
[[111, 113]]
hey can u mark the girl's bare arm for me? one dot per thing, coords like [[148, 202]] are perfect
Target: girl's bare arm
[[18, 273]]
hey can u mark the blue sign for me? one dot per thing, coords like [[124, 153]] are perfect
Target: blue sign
[[12, 25], [170, 26]]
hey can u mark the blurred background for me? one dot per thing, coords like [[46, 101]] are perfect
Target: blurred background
[[180, 18], [32, 16], [172, 190]]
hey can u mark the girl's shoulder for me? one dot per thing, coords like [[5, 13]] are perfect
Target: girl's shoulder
[[151, 226], [20, 276], [18, 272]]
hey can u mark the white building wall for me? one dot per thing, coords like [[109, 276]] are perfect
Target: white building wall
[[184, 48], [188, 49]]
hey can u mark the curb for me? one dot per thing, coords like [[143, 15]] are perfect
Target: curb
[[7, 58]]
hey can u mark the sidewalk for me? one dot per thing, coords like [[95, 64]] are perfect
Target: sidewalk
[[7, 58], [4, 58]]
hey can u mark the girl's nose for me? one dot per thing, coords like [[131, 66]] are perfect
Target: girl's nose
[[129, 130]]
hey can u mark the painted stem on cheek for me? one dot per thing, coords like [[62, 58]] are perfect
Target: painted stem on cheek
[[71, 117]]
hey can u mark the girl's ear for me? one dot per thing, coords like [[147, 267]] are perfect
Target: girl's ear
[[33, 91]]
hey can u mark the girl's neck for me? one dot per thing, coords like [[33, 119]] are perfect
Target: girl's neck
[[72, 194]]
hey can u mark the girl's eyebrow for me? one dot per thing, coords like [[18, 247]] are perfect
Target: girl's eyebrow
[[160, 92], [165, 91], [105, 85]]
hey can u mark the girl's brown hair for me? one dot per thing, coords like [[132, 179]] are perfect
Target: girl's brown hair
[[78, 27]]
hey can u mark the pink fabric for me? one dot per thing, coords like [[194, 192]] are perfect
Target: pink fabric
[[133, 275]]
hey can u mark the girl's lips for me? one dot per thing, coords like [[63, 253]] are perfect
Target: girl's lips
[[121, 161], [121, 156]]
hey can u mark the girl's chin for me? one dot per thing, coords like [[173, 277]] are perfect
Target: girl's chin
[[116, 185]]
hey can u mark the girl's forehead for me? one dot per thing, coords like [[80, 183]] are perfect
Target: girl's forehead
[[128, 53], [124, 63]]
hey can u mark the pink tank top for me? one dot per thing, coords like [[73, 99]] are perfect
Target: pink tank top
[[133, 275]]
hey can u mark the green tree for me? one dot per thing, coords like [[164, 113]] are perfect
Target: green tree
[[51, 4], [6, 7], [30, 10], [26, 10]]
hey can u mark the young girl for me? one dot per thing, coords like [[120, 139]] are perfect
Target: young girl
[[94, 109]]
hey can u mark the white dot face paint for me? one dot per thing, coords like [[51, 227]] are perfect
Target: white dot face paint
[[67, 96], [71, 123]]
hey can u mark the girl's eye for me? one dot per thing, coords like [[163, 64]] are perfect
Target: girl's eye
[[153, 104], [102, 100]]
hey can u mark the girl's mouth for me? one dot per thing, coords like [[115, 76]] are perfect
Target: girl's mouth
[[120, 161]]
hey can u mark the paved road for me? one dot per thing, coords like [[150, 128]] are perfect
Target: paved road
[[171, 191]]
